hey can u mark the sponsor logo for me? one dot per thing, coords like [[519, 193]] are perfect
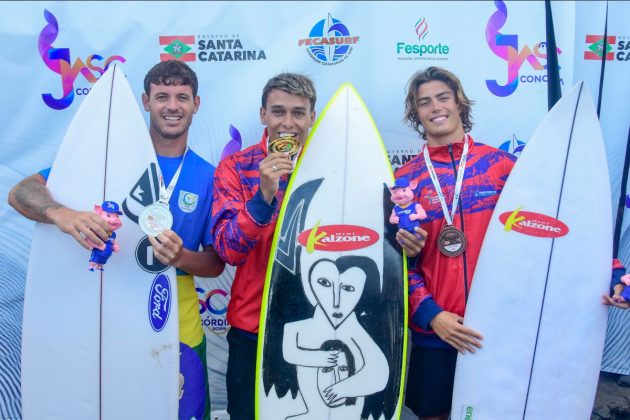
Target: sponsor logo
[[59, 61], [187, 201], [159, 302], [469, 413], [513, 146], [145, 258], [398, 157], [421, 50], [208, 48], [213, 308], [329, 41], [177, 47], [337, 238], [533, 224], [595, 48], [505, 46]]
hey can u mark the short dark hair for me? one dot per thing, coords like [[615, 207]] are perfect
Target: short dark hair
[[431, 74], [171, 72], [293, 84]]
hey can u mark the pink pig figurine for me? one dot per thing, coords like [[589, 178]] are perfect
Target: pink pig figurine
[[108, 211], [406, 215]]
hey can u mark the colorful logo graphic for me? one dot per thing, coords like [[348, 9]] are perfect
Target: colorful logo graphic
[[422, 51], [329, 41], [506, 47], [235, 143], [533, 224], [422, 29], [595, 48], [59, 61], [159, 302], [513, 146], [177, 47], [187, 201], [207, 48], [337, 238], [213, 308]]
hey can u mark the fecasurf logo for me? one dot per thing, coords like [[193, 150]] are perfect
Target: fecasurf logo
[[59, 61], [208, 48], [159, 302], [337, 238], [595, 48], [505, 46], [422, 51], [533, 224], [513, 146], [329, 42]]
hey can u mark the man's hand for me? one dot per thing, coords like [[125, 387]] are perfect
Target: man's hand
[[448, 326], [83, 226], [271, 169], [167, 247], [615, 300], [412, 244]]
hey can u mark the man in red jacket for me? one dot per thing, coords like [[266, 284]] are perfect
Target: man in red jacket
[[458, 184]]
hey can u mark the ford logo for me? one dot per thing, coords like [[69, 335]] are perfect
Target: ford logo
[[159, 302]]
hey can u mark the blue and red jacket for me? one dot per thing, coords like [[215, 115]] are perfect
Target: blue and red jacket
[[243, 225], [438, 282]]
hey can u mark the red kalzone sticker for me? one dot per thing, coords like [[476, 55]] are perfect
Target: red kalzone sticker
[[533, 224], [337, 238]]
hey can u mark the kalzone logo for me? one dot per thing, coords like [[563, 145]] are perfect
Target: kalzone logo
[[337, 238], [159, 302], [59, 61], [329, 42], [595, 48], [422, 51], [506, 47], [533, 224], [213, 308]]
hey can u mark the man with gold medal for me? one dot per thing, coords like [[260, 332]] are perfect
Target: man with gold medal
[[459, 182]]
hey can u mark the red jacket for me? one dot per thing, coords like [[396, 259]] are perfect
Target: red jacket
[[438, 282]]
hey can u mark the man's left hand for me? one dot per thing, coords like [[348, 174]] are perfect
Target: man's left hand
[[167, 247], [411, 243]]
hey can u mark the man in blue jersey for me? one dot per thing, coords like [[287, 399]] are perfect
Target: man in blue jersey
[[170, 97]]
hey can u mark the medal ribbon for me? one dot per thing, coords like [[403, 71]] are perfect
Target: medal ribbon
[[458, 183], [166, 192]]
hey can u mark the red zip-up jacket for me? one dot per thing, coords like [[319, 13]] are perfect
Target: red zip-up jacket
[[438, 282]]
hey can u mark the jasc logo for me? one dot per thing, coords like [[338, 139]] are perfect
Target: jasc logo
[[159, 302], [212, 308], [506, 48], [337, 238], [595, 48], [329, 41], [58, 60], [533, 224]]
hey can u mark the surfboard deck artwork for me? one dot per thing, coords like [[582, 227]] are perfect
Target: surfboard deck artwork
[[543, 267], [334, 311], [100, 345]]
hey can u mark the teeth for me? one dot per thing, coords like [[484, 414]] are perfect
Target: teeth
[[171, 118], [286, 134]]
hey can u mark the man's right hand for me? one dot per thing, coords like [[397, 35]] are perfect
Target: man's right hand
[[81, 225], [271, 169], [449, 327]]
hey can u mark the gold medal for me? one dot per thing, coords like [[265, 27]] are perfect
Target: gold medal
[[451, 241], [288, 145]]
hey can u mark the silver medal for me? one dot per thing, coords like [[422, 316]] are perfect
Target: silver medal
[[155, 218]]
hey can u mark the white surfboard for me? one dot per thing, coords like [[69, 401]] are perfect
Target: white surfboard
[[544, 264], [333, 323], [100, 345]]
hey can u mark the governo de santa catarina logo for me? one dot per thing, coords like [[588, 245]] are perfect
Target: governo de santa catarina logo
[[533, 224], [329, 42], [337, 238]]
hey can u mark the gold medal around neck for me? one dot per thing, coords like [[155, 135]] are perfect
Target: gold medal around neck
[[288, 145], [451, 241], [155, 219]]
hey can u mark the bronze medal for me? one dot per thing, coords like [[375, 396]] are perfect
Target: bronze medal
[[288, 145], [451, 241]]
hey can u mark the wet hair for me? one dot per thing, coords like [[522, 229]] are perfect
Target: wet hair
[[431, 74], [171, 73], [293, 84], [342, 347]]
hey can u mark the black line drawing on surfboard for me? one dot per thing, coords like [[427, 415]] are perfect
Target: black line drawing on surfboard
[[331, 334]]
